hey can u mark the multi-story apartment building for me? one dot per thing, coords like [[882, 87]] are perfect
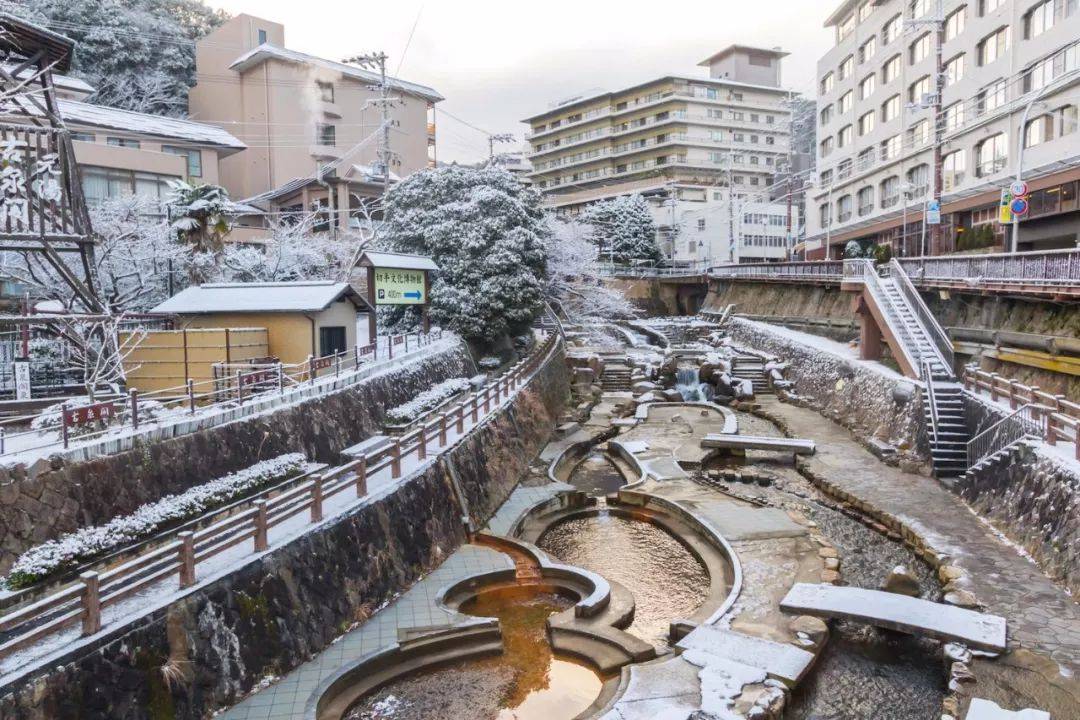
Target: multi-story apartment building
[[1009, 76], [298, 112], [697, 148]]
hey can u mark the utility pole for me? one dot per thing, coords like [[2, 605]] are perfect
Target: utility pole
[[378, 61], [933, 101]]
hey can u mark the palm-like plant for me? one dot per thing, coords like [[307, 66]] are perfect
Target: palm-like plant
[[199, 216]]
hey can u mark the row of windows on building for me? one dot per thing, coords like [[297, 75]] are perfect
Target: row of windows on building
[[1038, 19], [193, 155], [698, 91], [711, 114], [717, 136], [1042, 17], [989, 156]]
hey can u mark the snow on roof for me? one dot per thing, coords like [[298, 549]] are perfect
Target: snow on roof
[[81, 113], [66, 82], [267, 50], [307, 296], [397, 261]]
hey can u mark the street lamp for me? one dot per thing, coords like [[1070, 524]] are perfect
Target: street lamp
[[1021, 142]]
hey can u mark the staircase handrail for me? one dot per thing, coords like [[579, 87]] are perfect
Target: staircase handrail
[[1027, 421], [931, 401], [864, 269], [940, 339]]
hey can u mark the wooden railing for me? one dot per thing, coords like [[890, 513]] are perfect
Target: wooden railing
[[82, 603], [239, 384], [1062, 416]]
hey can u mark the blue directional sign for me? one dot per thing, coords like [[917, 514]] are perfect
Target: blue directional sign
[[933, 212]]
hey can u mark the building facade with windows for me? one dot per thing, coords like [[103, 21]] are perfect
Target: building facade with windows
[[696, 148], [879, 123], [122, 153], [298, 112]]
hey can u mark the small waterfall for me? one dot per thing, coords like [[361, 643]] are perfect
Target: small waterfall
[[689, 385]]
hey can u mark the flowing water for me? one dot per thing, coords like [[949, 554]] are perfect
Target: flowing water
[[596, 475], [689, 385], [667, 581], [526, 682]]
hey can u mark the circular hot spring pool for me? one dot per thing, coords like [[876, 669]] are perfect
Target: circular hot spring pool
[[668, 582], [526, 682]]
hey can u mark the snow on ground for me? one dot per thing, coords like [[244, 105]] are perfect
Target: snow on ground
[[824, 344], [26, 448], [380, 484]]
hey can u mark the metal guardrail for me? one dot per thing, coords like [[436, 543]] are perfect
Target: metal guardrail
[[82, 602], [241, 385], [1040, 271], [1062, 415], [815, 271], [630, 271], [1053, 267], [938, 337], [1030, 421]]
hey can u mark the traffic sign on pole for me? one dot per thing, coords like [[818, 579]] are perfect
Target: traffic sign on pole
[[1019, 188], [933, 212], [1019, 206]]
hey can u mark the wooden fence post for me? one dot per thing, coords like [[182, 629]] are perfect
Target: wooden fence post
[[421, 443], [316, 498], [239, 387], [262, 529], [475, 406], [993, 386], [191, 394], [361, 477], [280, 379], [91, 602], [442, 430], [461, 417], [487, 399], [64, 428], [187, 558], [337, 365], [395, 459], [134, 399], [311, 368], [389, 347], [356, 355]]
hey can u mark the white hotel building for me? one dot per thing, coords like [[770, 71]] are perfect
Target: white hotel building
[[877, 123], [703, 152]]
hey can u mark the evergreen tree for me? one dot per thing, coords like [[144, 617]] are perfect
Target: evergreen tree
[[624, 230], [486, 231], [139, 54]]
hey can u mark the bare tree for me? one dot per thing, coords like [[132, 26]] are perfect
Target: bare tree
[[98, 351], [573, 275]]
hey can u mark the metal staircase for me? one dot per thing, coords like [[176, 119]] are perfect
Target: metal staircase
[[926, 348]]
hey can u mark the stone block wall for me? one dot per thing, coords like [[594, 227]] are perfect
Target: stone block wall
[[1030, 495], [204, 651], [874, 404], [64, 496]]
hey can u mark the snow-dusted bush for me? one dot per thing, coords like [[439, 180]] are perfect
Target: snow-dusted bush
[[489, 362], [73, 549], [623, 230], [51, 418], [486, 230], [427, 400]]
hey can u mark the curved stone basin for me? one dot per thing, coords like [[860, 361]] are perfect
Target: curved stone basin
[[526, 682]]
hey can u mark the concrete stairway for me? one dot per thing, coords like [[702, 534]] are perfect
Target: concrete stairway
[[949, 435], [748, 367], [615, 378]]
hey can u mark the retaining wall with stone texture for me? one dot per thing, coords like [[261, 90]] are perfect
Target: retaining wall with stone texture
[[1030, 495], [204, 651], [44, 502], [873, 405]]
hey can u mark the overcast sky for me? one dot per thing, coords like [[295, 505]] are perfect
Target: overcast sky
[[498, 62]]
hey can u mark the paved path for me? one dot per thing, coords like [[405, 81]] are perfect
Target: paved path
[[1041, 616]]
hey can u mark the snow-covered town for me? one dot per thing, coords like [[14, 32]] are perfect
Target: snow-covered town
[[475, 361]]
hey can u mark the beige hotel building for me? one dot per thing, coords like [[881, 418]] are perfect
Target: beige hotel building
[[703, 151], [877, 124]]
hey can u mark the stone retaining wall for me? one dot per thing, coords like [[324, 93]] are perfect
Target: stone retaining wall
[[1031, 496], [875, 405], [207, 649], [61, 496]]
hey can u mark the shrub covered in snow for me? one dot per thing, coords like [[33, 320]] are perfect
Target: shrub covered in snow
[[427, 400], [624, 230], [51, 418], [69, 551], [486, 231], [489, 362]]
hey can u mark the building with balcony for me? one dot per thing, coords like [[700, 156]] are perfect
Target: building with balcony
[[1009, 75], [312, 125], [696, 148]]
